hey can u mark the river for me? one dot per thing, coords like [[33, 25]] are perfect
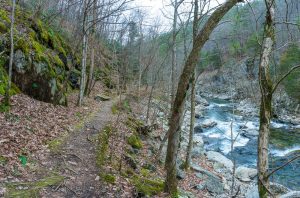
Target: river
[[285, 140]]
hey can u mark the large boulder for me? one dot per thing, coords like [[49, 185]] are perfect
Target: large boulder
[[42, 60], [245, 174], [220, 160]]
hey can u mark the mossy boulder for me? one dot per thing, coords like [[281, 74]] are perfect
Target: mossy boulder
[[135, 142], [42, 59], [145, 187]]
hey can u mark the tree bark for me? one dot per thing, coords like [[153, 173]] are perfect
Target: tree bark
[[11, 57], [266, 87], [84, 56], [193, 93], [91, 72], [174, 63], [183, 85]]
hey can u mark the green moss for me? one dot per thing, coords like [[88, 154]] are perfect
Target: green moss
[[147, 187], [56, 144], [135, 142], [108, 178], [114, 109], [134, 124], [145, 172], [23, 45], [31, 189], [3, 27], [3, 160], [4, 16], [103, 141], [58, 61]]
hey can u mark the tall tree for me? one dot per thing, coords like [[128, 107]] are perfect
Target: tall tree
[[11, 57], [183, 85], [193, 90], [84, 54], [266, 87], [93, 30], [174, 62]]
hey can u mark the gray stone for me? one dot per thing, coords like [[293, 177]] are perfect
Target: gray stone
[[208, 124], [185, 194], [278, 189], [203, 171], [245, 174], [214, 186], [198, 152], [292, 194], [20, 62], [219, 159], [198, 129], [101, 98], [252, 192], [180, 174], [200, 100]]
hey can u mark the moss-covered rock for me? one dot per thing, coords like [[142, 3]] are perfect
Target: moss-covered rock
[[135, 142], [42, 59], [108, 178], [31, 189], [147, 187]]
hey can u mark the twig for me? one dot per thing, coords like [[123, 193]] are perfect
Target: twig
[[284, 76], [282, 166]]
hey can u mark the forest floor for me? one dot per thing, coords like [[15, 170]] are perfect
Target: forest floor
[[105, 152]]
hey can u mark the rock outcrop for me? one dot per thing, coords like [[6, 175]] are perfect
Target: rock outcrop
[[43, 62]]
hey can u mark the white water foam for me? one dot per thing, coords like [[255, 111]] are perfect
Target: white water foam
[[278, 125], [282, 153]]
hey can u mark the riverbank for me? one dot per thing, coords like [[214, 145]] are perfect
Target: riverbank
[[212, 146]]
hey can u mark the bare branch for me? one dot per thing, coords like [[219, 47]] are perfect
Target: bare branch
[[284, 76]]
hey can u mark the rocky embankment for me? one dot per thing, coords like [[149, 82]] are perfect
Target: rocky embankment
[[219, 181]]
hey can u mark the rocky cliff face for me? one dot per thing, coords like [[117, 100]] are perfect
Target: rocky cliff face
[[42, 59]]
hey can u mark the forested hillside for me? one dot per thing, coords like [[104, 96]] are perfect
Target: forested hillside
[[150, 98]]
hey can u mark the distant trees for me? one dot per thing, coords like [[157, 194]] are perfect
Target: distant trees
[[289, 59]]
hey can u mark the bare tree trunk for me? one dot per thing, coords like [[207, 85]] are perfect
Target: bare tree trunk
[[266, 87], [193, 93], [192, 123], [183, 85], [91, 72], [11, 57], [174, 63], [84, 56]]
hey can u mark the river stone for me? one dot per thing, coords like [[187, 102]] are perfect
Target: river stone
[[208, 124], [198, 129], [293, 194], [245, 174], [198, 140], [277, 189], [219, 159], [200, 100]]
